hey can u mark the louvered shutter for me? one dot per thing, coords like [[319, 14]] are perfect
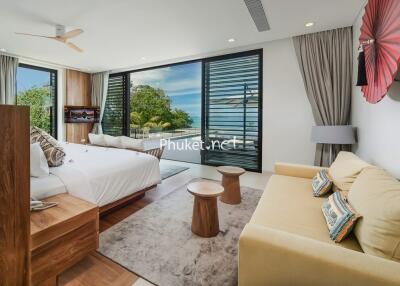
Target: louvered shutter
[[114, 118], [232, 91]]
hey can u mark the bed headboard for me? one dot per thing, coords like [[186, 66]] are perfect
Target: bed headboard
[[14, 195]]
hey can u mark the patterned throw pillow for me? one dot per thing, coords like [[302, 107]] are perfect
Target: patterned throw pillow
[[54, 153], [321, 183], [339, 215]]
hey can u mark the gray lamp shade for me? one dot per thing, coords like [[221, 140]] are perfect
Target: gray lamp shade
[[334, 134]]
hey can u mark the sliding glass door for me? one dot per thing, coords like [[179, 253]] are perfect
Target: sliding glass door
[[232, 110], [37, 88], [165, 106], [207, 111]]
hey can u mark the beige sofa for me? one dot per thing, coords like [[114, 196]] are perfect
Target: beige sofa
[[287, 241]]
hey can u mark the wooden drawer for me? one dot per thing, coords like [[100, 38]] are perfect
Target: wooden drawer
[[55, 256]]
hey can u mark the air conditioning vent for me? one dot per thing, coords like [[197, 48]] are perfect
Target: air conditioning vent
[[257, 12]]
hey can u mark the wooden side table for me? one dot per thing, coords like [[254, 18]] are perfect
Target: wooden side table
[[205, 221], [231, 184], [61, 236]]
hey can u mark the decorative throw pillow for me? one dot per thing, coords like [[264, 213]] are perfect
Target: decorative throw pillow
[[339, 215], [345, 169], [376, 196], [321, 183], [52, 150]]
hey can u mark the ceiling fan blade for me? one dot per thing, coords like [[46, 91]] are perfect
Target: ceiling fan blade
[[75, 47], [33, 35], [72, 34]]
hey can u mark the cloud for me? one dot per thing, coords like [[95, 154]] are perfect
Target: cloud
[[174, 80], [183, 92], [146, 77]]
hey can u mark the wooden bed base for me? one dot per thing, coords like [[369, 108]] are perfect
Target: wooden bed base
[[124, 201]]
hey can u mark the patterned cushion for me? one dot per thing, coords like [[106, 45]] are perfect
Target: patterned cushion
[[321, 183], [339, 215], [54, 153]]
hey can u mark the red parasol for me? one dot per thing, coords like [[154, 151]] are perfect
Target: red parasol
[[380, 40]]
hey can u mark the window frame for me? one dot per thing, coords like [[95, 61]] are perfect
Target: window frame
[[202, 61], [54, 123]]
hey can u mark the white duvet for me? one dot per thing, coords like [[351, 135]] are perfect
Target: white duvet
[[104, 175]]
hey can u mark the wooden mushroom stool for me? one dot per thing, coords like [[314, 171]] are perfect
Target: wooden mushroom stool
[[205, 209], [231, 184]]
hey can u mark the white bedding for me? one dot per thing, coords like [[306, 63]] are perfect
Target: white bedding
[[46, 186], [104, 175]]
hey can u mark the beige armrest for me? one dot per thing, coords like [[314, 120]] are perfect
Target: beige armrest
[[272, 257], [297, 170]]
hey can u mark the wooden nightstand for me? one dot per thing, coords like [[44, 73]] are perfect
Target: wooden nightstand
[[61, 236]]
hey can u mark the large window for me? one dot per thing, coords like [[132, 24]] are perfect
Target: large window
[[213, 102], [37, 88]]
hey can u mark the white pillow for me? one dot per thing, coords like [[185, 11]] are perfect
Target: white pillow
[[39, 165], [112, 141], [131, 143], [97, 139]]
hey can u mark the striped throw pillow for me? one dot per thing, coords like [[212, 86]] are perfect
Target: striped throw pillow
[[339, 215], [321, 183], [52, 150]]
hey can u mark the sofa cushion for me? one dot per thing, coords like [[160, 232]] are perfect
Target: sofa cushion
[[376, 196], [321, 183], [345, 169], [287, 205], [339, 215]]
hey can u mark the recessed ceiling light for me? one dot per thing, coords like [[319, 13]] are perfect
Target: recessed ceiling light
[[143, 58], [309, 24], [231, 40], [3, 50]]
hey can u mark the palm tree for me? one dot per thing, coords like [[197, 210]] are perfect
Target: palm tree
[[156, 123]]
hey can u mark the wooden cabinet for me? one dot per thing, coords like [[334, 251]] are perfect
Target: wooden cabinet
[[14, 195], [61, 236]]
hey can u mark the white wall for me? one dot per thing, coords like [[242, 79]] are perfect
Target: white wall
[[378, 124], [287, 115]]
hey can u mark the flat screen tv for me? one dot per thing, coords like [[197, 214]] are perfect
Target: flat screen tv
[[81, 114]]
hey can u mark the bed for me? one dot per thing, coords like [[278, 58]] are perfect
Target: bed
[[105, 176]]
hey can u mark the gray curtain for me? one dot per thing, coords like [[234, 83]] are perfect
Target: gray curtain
[[99, 96], [325, 61], [8, 79]]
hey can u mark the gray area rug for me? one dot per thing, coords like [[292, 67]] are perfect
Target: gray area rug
[[157, 243], [169, 171]]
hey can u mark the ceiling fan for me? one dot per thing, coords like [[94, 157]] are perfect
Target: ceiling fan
[[61, 36]]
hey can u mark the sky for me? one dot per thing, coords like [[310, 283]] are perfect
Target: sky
[[27, 78], [182, 83]]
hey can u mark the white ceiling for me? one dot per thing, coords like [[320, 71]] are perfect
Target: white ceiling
[[119, 33]]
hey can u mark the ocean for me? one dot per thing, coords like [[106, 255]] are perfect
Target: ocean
[[234, 120], [196, 121]]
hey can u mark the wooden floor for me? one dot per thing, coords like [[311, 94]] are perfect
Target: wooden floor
[[96, 269]]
